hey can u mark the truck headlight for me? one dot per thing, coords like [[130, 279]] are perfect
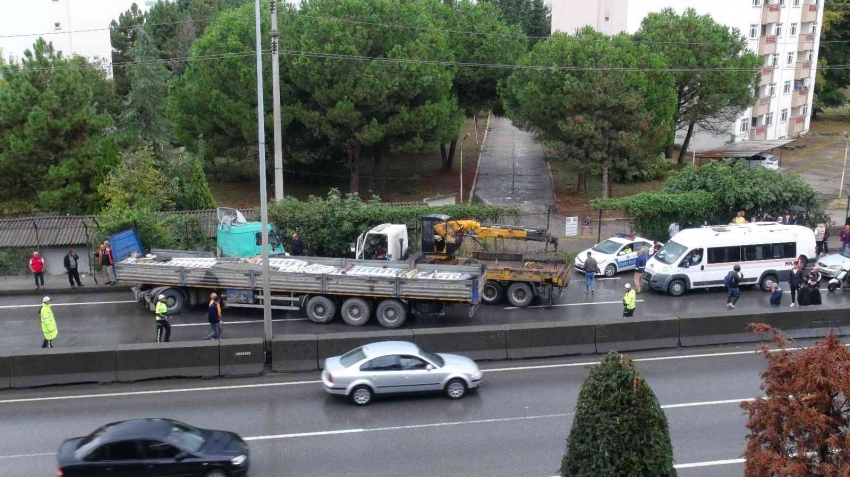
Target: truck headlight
[[239, 460]]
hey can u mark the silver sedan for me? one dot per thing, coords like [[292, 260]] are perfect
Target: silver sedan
[[398, 367]]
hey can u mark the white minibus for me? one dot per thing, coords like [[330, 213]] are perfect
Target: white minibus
[[701, 257]]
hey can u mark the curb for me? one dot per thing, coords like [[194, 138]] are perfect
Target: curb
[[480, 153], [61, 291]]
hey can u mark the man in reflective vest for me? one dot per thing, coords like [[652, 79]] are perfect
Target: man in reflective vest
[[162, 323], [48, 323], [629, 301]]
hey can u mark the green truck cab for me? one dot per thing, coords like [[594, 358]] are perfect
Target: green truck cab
[[238, 238]]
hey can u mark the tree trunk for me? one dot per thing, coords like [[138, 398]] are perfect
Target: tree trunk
[[444, 155], [686, 142], [668, 153], [354, 168], [448, 157], [377, 157], [581, 184], [606, 182]]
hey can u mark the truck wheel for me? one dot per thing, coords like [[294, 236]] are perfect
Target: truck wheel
[[493, 293], [355, 312], [174, 299], [391, 313], [520, 294], [677, 287], [320, 309]]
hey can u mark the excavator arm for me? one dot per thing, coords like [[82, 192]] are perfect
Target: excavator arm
[[476, 229]]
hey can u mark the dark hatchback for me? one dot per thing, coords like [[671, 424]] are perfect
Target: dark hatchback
[[154, 448]]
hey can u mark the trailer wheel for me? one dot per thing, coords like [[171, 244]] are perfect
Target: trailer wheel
[[493, 292], [520, 294], [391, 313], [320, 309], [174, 299], [356, 312]]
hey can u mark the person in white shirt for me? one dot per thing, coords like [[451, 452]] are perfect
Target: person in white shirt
[[673, 229]]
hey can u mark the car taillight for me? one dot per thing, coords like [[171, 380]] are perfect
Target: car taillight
[[59, 472], [330, 378]]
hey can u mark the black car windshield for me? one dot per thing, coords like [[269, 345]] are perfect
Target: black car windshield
[[88, 443], [609, 247], [670, 252], [186, 436], [432, 357], [352, 357]]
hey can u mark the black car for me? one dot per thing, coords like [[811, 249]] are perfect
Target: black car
[[154, 448]]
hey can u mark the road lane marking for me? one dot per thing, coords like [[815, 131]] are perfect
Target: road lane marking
[[571, 304], [7, 307], [711, 463], [708, 403], [239, 322], [19, 456]]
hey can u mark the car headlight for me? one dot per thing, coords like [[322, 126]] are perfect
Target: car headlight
[[239, 460], [665, 270]]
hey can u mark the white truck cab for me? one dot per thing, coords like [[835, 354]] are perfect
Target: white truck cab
[[384, 242]]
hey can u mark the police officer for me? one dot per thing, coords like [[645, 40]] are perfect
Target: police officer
[[48, 323], [629, 301], [162, 320]]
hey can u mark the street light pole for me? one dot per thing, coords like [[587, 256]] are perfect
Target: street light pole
[[264, 209], [278, 146], [846, 145], [461, 167]]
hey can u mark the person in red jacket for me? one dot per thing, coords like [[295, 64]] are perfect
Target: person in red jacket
[[37, 269]]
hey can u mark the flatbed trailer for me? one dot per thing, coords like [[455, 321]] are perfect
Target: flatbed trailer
[[321, 286], [522, 277]]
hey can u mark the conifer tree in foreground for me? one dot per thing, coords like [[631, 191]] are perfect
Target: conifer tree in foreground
[[619, 428]]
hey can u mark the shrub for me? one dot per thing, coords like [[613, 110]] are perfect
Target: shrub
[[13, 261]]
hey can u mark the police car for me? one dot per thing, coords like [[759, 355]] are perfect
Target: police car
[[616, 254]]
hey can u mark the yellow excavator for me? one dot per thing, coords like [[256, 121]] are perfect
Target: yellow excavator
[[447, 237]]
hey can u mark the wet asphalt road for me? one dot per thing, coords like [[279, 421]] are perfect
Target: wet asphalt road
[[113, 318], [515, 425]]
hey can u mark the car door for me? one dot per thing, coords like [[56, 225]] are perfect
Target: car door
[[166, 460], [627, 255], [123, 459], [417, 375], [693, 265], [385, 374]]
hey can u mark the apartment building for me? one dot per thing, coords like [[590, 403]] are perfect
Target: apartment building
[[74, 26], [785, 32]]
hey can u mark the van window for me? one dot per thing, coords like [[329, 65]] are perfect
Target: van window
[[785, 250], [724, 254], [757, 252]]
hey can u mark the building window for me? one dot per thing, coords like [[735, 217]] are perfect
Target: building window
[[786, 87], [768, 119], [771, 90], [57, 26], [781, 3], [59, 53], [783, 116], [754, 30], [756, 3], [814, 28], [795, 3], [793, 29], [777, 30], [810, 55], [745, 125], [804, 110], [774, 60], [789, 60], [764, 30]]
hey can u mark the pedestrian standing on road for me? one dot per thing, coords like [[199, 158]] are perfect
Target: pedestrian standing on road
[[775, 296], [48, 323], [795, 281], [673, 229], [72, 260], [107, 264], [629, 302], [820, 232], [214, 317], [733, 286], [844, 236], [590, 269], [826, 241], [297, 245], [162, 324], [640, 267], [37, 269]]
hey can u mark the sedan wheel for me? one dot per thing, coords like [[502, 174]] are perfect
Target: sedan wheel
[[362, 395], [610, 270], [215, 473], [456, 389]]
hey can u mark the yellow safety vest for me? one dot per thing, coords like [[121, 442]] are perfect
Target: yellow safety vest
[[161, 310], [48, 323], [629, 299]]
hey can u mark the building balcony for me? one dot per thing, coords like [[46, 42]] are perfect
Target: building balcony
[[770, 13], [803, 70], [796, 125], [767, 45], [762, 107], [766, 75], [758, 134], [809, 13], [799, 98], [805, 43]]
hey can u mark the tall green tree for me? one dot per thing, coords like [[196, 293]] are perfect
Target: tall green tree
[[533, 16], [834, 50], [358, 104], [619, 428], [692, 43], [138, 183], [145, 113], [122, 34], [55, 144], [587, 107]]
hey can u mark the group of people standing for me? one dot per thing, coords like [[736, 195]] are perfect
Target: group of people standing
[[71, 262], [804, 287], [163, 326]]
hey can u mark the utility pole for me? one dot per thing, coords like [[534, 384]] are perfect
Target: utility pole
[[278, 146], [846, 146], [264, 207]]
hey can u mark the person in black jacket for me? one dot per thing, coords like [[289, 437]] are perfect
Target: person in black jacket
[[297, 245], [795, 281], [72, 262], [814, 284], [804, 295], [733, 286]]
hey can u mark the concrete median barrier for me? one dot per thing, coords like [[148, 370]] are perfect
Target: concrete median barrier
[[334, 344], [731, 327], [539, 340], [638, 333], [5, 372], [43, 367], [475, 342], [189, 359], [293, 353], [242, 357]]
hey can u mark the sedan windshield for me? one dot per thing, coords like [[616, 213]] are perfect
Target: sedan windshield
[[352, 357], [609, 247], [432, 357], [186, 436], [670, 252]]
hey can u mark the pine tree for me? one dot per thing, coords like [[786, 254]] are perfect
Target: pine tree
[[145, 115], [619, 427], [196, 193]]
